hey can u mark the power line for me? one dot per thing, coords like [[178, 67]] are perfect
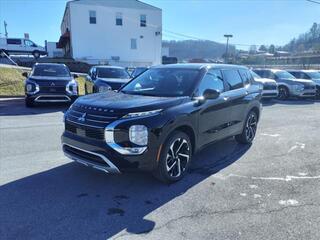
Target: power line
[[312, 1]]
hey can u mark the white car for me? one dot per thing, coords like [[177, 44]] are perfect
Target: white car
[[20, 46], [270, 86]]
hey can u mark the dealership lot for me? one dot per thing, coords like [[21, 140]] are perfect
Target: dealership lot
[[269, 190]]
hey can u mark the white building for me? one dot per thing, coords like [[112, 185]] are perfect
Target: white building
[[116, 32]]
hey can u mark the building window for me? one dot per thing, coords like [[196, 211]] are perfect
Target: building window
[[143, 20], [119, 19], [92, 17], [133, 43]]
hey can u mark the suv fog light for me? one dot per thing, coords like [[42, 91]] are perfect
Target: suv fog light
[[138, 134], [29, 87]]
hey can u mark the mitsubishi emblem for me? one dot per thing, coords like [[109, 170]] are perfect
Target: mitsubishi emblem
[[52, 84], [82, 118]]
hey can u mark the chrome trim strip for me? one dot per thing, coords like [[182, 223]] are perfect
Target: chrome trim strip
[[91, 120], [111, 169], [122, 150], [89, 114], [68, 120], [38, 99]]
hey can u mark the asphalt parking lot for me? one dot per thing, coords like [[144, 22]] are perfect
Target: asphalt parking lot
[[269, 190]]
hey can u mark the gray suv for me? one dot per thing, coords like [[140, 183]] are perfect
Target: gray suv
[[313, 75], [288, 85]]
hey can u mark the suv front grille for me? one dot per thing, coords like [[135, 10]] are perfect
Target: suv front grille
[[55, 89], [84, 131]]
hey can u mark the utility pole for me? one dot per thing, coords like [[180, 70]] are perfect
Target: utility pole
[[5, 29], [227, 47]]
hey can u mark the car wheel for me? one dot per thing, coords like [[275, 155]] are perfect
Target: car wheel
[[175, 158], [29, 103], [249, 130], [36, 54], [318, 92], [283, 93]]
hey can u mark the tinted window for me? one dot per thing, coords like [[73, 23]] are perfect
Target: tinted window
[[112, 73], [246, 76], [138, 71], [233, 79], [143, 20], [50, 71], [165, 82], [29, 43], [119, 19], [314, 75], [283, 74], [14, 41], [212, 80]]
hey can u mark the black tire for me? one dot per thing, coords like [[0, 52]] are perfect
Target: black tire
[[36, 54], [249, 129], [318, 92], [177, 144], [283, 93], [29, 103]]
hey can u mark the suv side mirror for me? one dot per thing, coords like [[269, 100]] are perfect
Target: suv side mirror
[[25, 74], [75, 75], [211, 94]]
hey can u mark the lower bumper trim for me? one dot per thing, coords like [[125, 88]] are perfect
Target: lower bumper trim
[[52, 98]]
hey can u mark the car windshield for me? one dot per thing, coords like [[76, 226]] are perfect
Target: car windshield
[[51, 71], [283, 74], [314, 75], [112, 73], [164, 82], [255, 75]]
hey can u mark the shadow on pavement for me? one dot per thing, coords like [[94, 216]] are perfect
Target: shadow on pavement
[[272, 102], [16, 106], [75, 202]]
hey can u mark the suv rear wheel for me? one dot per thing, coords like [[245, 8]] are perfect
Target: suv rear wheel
[[249, 130], [175, 158]]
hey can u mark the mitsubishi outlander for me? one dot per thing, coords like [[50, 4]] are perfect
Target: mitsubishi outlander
[[160, 119]]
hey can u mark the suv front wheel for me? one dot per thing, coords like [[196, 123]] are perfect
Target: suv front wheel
[[36, 54], [175, 158]]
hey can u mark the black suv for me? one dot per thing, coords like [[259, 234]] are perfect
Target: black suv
[[157, 121], [50, 82]]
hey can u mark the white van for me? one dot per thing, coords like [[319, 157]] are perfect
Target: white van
[[20, 46]]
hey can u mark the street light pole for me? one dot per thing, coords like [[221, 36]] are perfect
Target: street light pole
[[227, 47]]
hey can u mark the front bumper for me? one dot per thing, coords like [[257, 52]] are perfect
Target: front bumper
[[304, 94], [51, 97], [97, 154], [270, 93]]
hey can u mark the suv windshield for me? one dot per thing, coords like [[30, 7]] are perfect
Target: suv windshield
[[255, 75], [164, 82], [313, 75], [112, 73], [283, 74], [51, 71]]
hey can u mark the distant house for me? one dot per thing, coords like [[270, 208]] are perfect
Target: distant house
[[125, 33]]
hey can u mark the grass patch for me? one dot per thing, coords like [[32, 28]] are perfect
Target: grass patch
[[12, 82]]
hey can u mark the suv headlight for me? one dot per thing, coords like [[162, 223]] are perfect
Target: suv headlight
[[72, 87], [142, 114], [32, 88], [104, 88], [138, 134], [298, 87]]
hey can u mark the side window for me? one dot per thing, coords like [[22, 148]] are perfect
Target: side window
[[92, 17], [295, 74], [13, 41], [304, 76], [29, 43], [246, 76], [232, 79], [133, 43], [212, 80]]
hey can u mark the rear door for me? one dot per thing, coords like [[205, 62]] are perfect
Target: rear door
[[236, 99]]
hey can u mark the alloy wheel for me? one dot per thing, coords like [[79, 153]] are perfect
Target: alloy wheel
[[283, 94], [177, 157], [251, 127]]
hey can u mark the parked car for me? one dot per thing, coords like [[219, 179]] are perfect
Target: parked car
[[313, 75], [270, 87], [50, 82], [105, 78], [288, 85], [20, 46], [137, 71], [159, 119]]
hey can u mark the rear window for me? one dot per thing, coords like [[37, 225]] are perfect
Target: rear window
[[51, 71], [112, 73], [14, 41], [233, 79]]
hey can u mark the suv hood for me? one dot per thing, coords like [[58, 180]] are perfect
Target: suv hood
[[265, 80], [47, 81], [120, 102]]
